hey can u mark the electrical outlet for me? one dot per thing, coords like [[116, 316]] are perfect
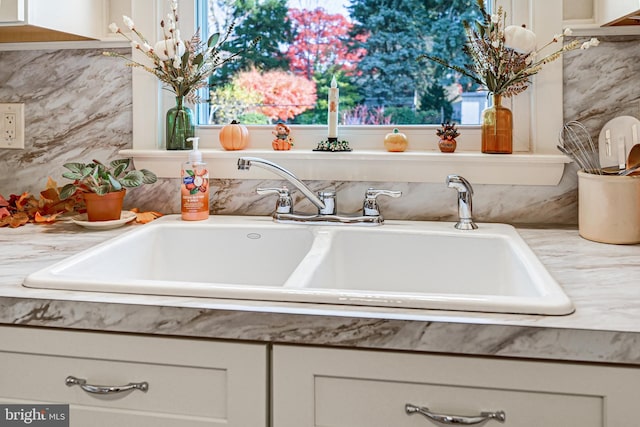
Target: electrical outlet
[[12, 125], [9, 120]]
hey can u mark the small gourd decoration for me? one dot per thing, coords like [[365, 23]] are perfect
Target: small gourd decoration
[[396, 141], [234, 136], [519, 39]]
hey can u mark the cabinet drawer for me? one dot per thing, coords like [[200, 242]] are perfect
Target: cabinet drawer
[[190, 382], [341, 401], [352, 388]]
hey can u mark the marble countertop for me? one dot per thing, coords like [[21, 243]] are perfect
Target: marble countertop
[[603, 281]]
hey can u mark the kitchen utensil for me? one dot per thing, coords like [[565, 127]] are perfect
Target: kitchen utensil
[[622, 153], [632, 164], [616, 138], [630, 171], [633, 158], [577, 144]]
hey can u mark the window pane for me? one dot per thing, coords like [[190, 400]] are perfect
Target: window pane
[[370, 46]]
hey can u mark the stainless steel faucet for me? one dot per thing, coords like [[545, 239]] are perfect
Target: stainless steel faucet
[[244, 163], [325, 200], [465, 195]]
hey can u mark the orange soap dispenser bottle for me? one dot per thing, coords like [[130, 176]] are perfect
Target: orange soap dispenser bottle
[[194, 186]]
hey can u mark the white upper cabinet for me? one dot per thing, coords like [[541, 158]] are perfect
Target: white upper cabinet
[[618, 12], [623, 15], [46, 20], [12, 11]]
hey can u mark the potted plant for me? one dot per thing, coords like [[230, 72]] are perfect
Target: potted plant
[[448, 134], [103, 187]]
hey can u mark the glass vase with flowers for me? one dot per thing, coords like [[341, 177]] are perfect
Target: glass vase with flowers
[[183, 66], [503, 58]]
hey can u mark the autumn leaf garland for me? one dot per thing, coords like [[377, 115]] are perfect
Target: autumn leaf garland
[[26, 208]]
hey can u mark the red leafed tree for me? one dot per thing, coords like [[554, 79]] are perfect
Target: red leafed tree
[[285, 95], [319, 42]]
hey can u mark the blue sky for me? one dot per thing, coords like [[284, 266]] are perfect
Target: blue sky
[[332, 6]]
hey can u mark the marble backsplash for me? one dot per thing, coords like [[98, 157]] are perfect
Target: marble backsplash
[[78, 105]]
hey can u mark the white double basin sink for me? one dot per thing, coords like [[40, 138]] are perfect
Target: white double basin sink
[[409, 264]]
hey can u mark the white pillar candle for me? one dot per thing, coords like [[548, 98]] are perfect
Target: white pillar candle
[[334, 101]]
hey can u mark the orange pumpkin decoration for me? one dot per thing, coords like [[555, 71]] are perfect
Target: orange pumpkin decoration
[[234, 136], [281, 145], [282, 141]]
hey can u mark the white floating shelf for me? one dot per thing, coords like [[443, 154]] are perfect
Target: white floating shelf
[[368, 165]]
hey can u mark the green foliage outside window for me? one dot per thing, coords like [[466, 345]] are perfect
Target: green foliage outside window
[[373, 57]]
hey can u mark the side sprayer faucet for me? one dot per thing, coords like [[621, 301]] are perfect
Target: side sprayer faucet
[[324, 200], [465, 195]]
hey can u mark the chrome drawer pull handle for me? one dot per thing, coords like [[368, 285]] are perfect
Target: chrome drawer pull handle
[[101, 389], [456, 419]]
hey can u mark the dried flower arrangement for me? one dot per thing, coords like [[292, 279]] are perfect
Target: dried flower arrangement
[[183, 66], [504, 57]]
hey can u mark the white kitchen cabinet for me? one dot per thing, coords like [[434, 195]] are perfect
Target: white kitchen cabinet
[[191, 383], [355, 388], [582, 10], [197, 383], [12, 11], [47, 20], [617, 12]]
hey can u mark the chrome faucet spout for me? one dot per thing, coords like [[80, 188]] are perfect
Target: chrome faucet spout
[[325, 200], [465, 195], [244, 163]]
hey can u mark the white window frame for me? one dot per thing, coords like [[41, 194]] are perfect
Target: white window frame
[[537, 121]]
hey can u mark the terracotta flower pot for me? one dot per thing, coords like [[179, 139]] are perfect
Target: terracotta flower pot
[[107, 207], [447, 145]]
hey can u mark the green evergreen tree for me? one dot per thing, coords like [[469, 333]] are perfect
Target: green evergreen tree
[[446, 27], [393, 37], [349, 97], [435, 99], [397, 32], [266, 19]]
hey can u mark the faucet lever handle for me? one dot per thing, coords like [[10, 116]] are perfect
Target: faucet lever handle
[[284, 203], [328, 197], [370, 207], [373, 193]]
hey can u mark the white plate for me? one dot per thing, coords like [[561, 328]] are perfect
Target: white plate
[[616, 139], [125, 217]]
